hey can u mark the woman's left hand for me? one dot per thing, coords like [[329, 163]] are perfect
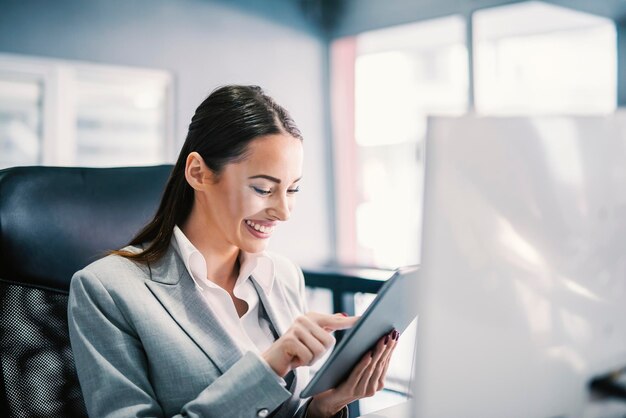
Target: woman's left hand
[[367, 378]]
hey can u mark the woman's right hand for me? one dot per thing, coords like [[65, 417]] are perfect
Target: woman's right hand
[[308, 338]]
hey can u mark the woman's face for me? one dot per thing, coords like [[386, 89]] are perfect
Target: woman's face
[[252, 196]]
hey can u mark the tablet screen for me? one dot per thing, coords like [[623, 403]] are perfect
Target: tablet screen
[[393, 308]]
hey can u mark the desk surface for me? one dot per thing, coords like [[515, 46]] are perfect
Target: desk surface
[[402, 410]]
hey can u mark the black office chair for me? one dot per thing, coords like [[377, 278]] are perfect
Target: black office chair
[[54, 221]]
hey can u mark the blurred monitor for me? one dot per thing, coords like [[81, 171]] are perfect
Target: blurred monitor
[[522, 294]]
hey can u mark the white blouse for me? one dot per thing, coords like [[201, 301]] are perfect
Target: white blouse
[[251, 332]]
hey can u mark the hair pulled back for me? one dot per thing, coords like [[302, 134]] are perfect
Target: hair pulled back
[[220, 131]]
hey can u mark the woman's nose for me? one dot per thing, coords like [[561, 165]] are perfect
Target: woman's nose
[[281, 208]]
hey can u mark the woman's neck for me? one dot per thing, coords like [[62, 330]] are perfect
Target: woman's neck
[[221, 258]]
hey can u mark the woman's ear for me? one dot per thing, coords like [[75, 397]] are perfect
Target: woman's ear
[[198, 175]]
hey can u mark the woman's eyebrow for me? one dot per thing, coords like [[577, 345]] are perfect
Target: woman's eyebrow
[[270, 178], [266, 177]]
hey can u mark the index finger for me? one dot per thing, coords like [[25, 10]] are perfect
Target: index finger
[[335, 322]]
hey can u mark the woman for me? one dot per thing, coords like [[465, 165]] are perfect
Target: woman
[[193, 318]]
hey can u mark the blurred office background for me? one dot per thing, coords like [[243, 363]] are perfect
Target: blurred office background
[[115, 83]]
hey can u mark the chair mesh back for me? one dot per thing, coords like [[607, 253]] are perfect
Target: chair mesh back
[[38, 372]]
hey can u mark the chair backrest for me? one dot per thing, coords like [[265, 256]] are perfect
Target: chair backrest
[[54, 221]]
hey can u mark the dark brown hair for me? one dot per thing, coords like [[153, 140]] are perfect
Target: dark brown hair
[[220, 131]]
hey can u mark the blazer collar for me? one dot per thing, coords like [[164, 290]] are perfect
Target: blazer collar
[[173, 287]]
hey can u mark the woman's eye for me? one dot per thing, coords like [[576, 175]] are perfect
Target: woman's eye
[[260, 191], [296, 190]]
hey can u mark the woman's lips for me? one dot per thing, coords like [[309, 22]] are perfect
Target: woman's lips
[[260, 230]]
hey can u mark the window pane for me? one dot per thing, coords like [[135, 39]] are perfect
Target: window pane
[[20, 122], [539, 58], [120, 121], [402, 75]]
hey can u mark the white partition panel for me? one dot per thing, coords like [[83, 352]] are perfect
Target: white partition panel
[[523, 294]]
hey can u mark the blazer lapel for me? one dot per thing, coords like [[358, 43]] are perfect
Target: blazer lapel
[[174, 288], [277, 308], [275, 305]]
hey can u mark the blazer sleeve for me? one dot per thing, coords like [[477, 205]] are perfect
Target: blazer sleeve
[[112, 366]]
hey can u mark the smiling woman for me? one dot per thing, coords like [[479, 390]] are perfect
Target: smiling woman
[[221, 137], [194, 318]]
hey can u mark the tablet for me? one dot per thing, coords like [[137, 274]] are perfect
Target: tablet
[[394, 307]]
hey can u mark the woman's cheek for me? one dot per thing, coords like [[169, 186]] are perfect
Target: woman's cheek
[[252, 205]]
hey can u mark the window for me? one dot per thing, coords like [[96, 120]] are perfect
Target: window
[[397, 77], [528, 58], [384, 85], [534, 57], [120, 119], [56, 112]]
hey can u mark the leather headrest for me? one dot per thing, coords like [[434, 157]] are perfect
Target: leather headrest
[[56, 220]]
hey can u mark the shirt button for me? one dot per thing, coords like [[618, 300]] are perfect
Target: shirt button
[[262, 413]]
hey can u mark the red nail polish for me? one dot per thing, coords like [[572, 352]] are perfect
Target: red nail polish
[[396, 335], [386, 339], [344, 314]]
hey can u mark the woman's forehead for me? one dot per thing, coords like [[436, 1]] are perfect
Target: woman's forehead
[[273, 155]]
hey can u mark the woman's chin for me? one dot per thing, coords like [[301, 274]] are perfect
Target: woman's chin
[[255, 247]]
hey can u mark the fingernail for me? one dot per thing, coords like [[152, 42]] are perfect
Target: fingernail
[[344, 314], [371, 354], [386, 339], [396, 335]]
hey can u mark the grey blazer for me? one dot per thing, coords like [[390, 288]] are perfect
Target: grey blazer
[[147, 345]]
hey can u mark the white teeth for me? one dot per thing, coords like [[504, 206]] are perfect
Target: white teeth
[[260, 228]]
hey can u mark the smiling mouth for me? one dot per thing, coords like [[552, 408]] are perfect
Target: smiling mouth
[[259, 230]]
